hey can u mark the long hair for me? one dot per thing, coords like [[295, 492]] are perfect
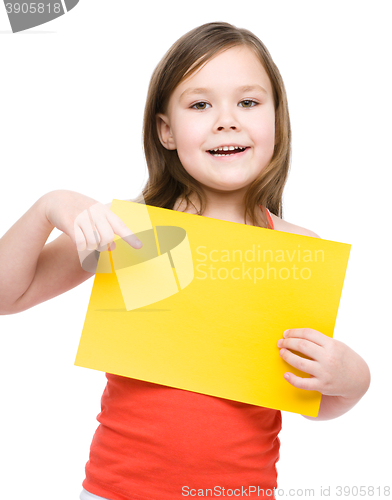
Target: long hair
[[168, 180]]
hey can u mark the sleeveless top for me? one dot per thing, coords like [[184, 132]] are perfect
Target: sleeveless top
[[161, 443]]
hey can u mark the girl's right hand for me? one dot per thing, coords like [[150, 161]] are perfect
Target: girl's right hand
[[90, 224]]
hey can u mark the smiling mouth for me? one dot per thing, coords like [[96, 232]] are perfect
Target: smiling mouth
[[227, 151]]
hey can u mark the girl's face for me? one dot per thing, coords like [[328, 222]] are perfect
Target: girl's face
[[227, 104]]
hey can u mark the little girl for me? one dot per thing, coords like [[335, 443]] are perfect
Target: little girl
[[217, 144]]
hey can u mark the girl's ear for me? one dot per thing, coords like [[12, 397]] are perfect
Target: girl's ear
[[164, 131]]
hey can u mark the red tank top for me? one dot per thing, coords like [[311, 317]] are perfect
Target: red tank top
[[160, 443]]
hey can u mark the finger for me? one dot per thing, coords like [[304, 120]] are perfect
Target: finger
[[308, 383], [90, 233], [302, 364], [308, 334], [94, 221], [122, 230], [99, 221], [303, 346], [105, 233], [112, 246], [80, 240]]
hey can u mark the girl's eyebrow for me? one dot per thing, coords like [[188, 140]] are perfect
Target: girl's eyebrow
[[203, 90]]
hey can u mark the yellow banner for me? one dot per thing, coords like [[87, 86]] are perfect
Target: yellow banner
[[203, 303]]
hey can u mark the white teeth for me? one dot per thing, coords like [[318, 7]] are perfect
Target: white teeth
[[227, 148]]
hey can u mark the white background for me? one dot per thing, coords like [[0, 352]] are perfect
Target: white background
[[72, 95]]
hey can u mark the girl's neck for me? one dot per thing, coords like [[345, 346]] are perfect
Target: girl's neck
[[225, 206]]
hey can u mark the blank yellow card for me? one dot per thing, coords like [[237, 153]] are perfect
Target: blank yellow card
[[202, 305]]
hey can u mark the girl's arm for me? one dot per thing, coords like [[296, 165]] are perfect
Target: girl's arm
[[338, 372], [335, 370], [32, 272], [334, 406]]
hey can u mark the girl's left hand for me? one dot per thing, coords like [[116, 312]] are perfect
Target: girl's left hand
[[335, 369]]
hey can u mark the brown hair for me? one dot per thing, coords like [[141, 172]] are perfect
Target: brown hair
[[168, 180]]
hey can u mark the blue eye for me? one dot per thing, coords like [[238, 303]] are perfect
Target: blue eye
[[249, 101], [202, 102]]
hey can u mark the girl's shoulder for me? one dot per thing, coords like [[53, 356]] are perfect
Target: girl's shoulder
[[288, 227]]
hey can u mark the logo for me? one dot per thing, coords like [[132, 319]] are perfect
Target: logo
[[162, 267], [26, 15]]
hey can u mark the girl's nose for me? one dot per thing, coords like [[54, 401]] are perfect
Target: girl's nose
[[232, 127], [227, 121]]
